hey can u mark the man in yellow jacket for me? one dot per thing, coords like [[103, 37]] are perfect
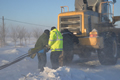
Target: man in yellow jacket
[[56, 45]]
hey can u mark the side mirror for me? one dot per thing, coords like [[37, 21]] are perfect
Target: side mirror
[[115, 19], [85, 1]]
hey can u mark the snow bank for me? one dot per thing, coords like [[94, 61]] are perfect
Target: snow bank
[[62, 73], [4, 62], [11, 51]]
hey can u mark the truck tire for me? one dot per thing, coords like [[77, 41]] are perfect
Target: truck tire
[[108, 55]]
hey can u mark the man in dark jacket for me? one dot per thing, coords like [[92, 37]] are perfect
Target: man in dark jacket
[[40, 44], [68, 43]]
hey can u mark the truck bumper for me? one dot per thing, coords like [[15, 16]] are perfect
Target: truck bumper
[[93, 42]]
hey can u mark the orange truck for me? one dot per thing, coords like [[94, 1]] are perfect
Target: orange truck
[[93, 22]]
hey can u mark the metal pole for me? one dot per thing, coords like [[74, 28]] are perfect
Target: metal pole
[[3, 34], [113, 10]]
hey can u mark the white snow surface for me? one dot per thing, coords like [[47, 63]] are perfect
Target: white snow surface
[[80, 69]]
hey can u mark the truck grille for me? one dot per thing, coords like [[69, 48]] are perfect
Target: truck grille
[[72, 23]]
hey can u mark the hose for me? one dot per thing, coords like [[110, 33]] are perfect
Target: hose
[[15, 61]]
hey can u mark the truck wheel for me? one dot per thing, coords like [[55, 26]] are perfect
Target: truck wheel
[[108, 55]]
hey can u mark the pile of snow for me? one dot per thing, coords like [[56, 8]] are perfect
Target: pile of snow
[[62, 73], [4, 62], [11, 51]]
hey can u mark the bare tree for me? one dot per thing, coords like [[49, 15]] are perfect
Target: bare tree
[[21, 33], [37, 32], [29, 35], [25, 36], [14, 34]]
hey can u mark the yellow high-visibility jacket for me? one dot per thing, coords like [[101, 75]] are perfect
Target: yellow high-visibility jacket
[[55, 40]]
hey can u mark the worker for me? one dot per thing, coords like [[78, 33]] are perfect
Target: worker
[[40, 49], [56, 45], [69, 39]]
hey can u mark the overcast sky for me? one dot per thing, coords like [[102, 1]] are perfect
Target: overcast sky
[[42, 12]]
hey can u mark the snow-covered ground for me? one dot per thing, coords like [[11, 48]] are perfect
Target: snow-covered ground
[[27, 68]]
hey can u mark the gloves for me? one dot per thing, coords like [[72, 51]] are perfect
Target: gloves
[[46, 49], [41, 51], [47, 46], [31, 53]]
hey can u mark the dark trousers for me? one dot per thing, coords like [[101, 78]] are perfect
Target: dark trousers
[[66, 57], [55, 59], [41, 60]]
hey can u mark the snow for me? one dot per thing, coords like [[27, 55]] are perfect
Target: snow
[[62, 73], [26, 69]]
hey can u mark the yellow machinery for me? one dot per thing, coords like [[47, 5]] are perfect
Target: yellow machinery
[[93, 23]]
